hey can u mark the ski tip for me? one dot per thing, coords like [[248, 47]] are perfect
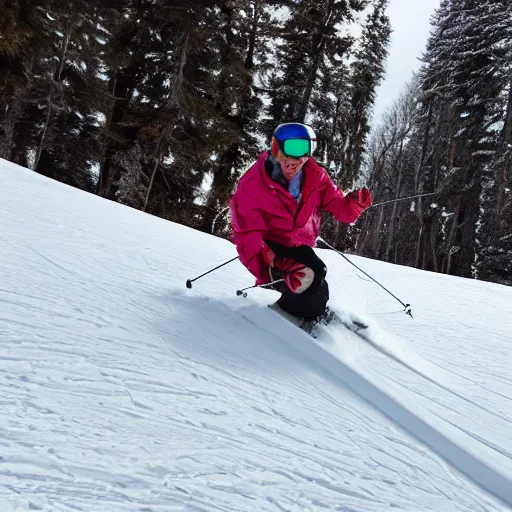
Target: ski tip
[[360, 324]]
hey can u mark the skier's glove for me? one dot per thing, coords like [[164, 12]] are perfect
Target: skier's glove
[[362, 197], [299, 277]]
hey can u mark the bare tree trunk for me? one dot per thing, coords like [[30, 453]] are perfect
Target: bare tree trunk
[[256, 13], [451, 238], [419, 209], [308, 90], [103, 181], [502, 178], [419, 248], [329, 146], [398, 185], [370, 235], [172, 102], [507, 128], [313, 71], [433, 247], [378, 236], [177, 84], [57, 77], [43, 135], [158, 162], [395, 252], [67, 38], [12, 114], [391, 228]]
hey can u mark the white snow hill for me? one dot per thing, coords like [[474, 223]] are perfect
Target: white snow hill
[[122, 390]]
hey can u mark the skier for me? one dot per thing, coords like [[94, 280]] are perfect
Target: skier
[[275, 213]]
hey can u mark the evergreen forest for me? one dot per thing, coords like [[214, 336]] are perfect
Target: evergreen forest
[[163, 105]]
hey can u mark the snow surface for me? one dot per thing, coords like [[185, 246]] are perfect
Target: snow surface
[[121, 390]]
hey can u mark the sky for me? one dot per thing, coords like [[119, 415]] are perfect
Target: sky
[[410, 21], [121, 390]]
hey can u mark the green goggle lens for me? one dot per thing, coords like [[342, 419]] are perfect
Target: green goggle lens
[[296, 148]]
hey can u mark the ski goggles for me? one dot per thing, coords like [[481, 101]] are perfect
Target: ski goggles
[[296, 148]]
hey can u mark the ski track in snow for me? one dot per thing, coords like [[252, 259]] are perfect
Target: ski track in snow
[[485, 469], [421, 367], [121, 390]]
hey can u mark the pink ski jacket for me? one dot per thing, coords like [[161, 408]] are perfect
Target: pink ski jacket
[[261, 209]]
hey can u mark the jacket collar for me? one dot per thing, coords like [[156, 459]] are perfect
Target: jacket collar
[[312, 173]]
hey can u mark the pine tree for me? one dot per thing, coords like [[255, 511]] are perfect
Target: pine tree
[[67, 144], [367, 72], [18, 50], [48, 124], [345, 99], [236, 106], [493, 254], [457, 148], [310, 32], [124, 56], [464, 69], [150, 58]]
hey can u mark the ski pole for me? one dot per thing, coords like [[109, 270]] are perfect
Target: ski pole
[[407, 307], [243, 293], [401, 199], [190, 281]]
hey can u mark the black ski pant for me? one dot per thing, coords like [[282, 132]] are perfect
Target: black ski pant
[[312, 302]]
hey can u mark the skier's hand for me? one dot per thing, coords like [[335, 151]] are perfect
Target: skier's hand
[[268, 255], [362, 197], [272, 260], [299, 277]]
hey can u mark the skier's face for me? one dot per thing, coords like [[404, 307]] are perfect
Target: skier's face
[[290, 166]]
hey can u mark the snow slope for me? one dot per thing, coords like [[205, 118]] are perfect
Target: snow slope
[[121, 390]]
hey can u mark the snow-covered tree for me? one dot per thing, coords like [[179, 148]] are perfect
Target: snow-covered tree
[[460, 141]]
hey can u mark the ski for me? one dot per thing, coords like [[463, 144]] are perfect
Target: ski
[[313, 327]]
